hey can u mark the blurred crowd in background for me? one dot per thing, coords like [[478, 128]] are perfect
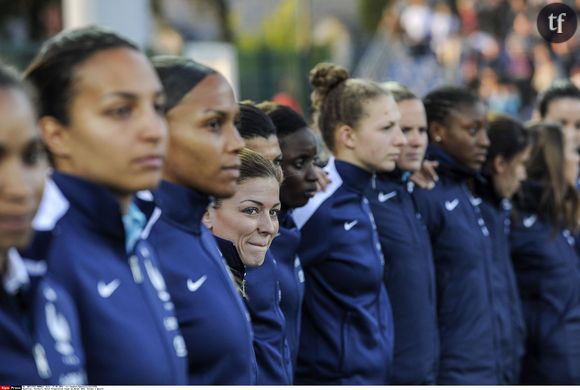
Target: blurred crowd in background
[[492, 46]]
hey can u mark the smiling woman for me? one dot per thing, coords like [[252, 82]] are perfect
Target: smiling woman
[[249, 221], [250, 218]]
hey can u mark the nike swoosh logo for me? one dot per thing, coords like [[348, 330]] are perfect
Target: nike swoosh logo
[[350, 225], [451, 205], [476, 201], [530, 221], [385, 197], [194, 286], [107, 289]]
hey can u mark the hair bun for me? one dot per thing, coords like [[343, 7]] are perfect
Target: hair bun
[[324, 77]]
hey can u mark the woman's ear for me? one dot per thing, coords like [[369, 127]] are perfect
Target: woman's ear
[[499, 164], [207, 219], [437, 132], [55, 136], [346, 136]]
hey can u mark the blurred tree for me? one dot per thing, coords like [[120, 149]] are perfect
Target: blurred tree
[[371, 13]]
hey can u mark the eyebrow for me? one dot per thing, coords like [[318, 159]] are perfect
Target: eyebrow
[[259, 203], [131, 95], [36, 140], [221, 113]]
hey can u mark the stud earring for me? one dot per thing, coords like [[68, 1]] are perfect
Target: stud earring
[[437, 138]]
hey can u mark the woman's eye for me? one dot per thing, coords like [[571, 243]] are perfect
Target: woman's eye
[[159, 108], [274, 213], [250, 210], [422, 129], [214, 125], [121, 112], [473, 131], [33, 154]]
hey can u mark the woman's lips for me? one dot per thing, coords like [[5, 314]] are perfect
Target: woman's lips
[[16, 223], [233, 170], [151, 162]]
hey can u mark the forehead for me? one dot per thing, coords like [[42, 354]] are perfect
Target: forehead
[[267, 147], [302, 139], [263, 189], [466, 113], [212, 93], [565, 106], [412, 112], [17, 116], [383, 107], [119, 69]]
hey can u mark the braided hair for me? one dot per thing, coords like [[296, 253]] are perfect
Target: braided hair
[[252, 122], [286, 120], [439, 102]]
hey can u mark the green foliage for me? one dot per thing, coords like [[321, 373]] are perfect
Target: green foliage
[[285, 29], [371, 13]]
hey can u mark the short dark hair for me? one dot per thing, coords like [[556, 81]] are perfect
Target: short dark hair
[[179, 75], [52, 71], [252, 122], [439, 102], [507, 138], [286, 120], [559, 89]]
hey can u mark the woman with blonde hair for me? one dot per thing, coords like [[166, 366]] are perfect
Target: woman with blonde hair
[[347, 327]]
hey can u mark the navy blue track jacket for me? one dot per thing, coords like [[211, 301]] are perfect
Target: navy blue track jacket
[[268, 322], [40, 341], [129, 328], [347, 326], [509, 322], [546, 264], [409, 278], [284, 248], [262, 299], [210, 312], [462, 251]]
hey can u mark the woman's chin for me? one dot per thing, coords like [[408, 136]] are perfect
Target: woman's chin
[[253, 260]]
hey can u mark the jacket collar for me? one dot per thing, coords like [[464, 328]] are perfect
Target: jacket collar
[[181, 205], [94, 201], [16, 276], [485, 189], [352, 176]]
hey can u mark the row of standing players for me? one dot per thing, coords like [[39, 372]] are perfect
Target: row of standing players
[[124, 289]]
